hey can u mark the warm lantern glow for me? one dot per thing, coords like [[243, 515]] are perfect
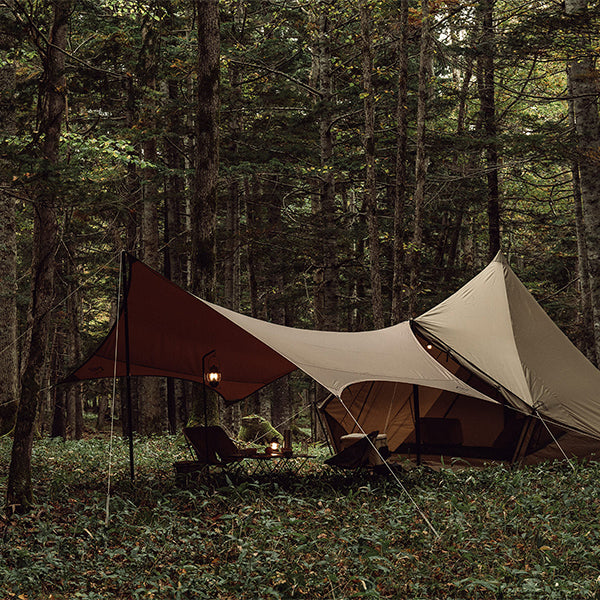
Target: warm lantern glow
[[213, 376], [274, 446]]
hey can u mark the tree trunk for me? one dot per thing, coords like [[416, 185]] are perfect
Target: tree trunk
[[151, 409], [401, 172], [9, 365], [52, 104], [203, 209], [175, 258], [327, 277], [583, 82], [279, 390], [488, 109], [370, 174], [586, 321], [461, 167], [204, 205], [421, 158]]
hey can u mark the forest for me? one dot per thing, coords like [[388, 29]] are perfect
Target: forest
[[319, 164]]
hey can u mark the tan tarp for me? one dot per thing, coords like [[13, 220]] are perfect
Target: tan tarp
[[495, 324], [172, 332]]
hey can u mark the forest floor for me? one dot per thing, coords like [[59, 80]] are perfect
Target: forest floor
[[496, 532]]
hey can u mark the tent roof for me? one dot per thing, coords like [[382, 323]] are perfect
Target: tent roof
[[171, 332], [495, 324]]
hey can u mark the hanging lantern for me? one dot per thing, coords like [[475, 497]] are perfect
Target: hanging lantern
[[213, 376]]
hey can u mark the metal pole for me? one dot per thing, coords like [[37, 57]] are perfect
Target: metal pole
[[128, 364], [205, 400], [417, 422]]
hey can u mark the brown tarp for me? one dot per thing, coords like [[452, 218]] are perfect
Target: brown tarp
[[171, 331]]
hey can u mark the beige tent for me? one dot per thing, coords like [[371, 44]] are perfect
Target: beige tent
[[495, 336], [494, 328]]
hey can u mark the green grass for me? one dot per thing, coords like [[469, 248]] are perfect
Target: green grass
[[504, 533]]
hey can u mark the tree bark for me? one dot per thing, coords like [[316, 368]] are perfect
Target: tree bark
[[151, 409], [401, 176], [370, 173], [327, 292], [203, 208], [488, 109], [53, 94], [9, 365], [586, 336], [583, 82], [421, 157]]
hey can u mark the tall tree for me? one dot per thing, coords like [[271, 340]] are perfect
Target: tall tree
[[52, 102], [583, 83], [203, 207], [588, 345], [151, 410], [8, 242], [327, 292], [487, 92], [422, 158], [366, 36], [400, 183]]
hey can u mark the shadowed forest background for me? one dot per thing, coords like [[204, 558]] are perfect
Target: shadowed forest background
[[329, 165]]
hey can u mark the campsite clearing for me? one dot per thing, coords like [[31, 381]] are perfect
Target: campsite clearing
[[531, 532]]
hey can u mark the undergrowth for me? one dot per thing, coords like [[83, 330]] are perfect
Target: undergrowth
[[500, 533]]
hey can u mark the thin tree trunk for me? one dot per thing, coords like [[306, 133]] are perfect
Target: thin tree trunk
[[583, 82], [174, 254], [9, 365], [400, 186], [462, 168], [132, 200], [151, 409], [488, 109], [370, 174], [586, 321], [203, 208], [327, 283], [421, 158], [52, 104], [204, 205]]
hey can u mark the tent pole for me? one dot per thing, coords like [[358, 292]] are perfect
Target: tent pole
[[417, 422], [205, 402], [128, 365], [325, 431]]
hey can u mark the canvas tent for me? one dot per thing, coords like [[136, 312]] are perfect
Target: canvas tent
[[166, 331], [495, 336]]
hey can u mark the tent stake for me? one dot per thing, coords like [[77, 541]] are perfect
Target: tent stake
[[128, 367], [417, 422]]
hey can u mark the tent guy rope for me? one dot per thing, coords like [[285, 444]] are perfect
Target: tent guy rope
[[112, 408], [396, 478]]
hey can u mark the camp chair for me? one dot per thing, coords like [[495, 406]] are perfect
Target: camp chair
[[356, 455], [211, 446]]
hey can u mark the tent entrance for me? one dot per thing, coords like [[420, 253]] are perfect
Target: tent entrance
[[446, 424]]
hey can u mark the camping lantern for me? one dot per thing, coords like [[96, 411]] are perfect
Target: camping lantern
[[274, 446], [213, 376]]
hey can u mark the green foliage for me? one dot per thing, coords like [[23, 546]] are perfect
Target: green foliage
[[520, 533]]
